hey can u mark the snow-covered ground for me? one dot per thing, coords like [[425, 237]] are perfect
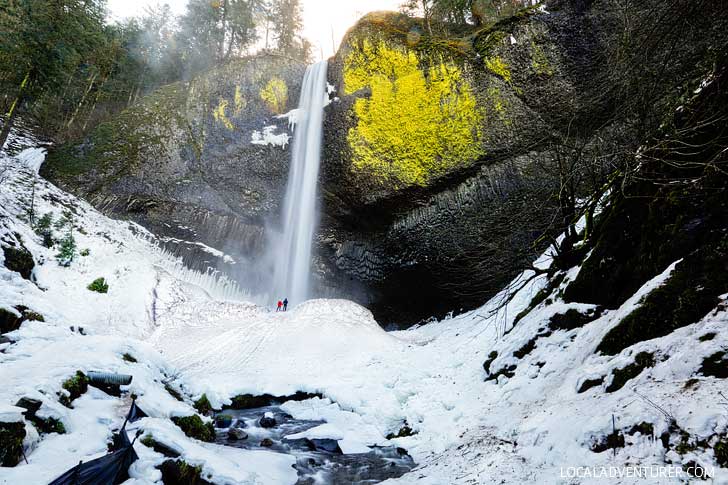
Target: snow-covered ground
[[529, 428]]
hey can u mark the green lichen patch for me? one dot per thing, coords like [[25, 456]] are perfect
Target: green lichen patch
[[642, 361], [194, 427], [417, 124]]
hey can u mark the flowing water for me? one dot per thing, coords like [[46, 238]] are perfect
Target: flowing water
[[318, 461], [293, 256]]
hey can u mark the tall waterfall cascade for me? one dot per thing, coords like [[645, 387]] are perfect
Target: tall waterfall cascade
[[293, 259]]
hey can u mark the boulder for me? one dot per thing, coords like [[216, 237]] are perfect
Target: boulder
[[266, 442], [267, 422], [19, 259], [236, 434]]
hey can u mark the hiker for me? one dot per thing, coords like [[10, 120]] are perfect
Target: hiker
[[280, 305], [285, 304]]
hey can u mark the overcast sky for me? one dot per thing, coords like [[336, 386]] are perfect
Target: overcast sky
[[323, 19]]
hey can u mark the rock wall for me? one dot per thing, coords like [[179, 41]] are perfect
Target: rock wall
[[438, 176], [182, 162]]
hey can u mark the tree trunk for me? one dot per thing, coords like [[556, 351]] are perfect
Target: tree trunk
[[13, 112], [83, 100]]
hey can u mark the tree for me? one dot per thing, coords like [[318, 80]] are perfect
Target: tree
[[287, 25], [67, 250], [42, 45]]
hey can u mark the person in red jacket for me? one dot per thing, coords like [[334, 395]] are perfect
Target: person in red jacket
[[280, 305]]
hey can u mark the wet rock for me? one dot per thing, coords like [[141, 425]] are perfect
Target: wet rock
[[266, 442], [267, 422], [223, 421], [236, 434], [332, 446]]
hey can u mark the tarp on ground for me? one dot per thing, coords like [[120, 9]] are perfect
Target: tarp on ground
[[111, 469]]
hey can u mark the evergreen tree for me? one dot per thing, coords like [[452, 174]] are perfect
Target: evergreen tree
[[67, 250], [44, 229]]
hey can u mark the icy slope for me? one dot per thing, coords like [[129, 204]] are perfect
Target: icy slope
[[520, 421]]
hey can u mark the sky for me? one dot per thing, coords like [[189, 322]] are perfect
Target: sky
[[325, 21]]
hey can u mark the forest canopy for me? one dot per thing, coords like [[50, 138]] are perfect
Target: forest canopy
[[66, 68]]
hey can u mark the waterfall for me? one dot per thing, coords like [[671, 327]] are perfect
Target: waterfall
[[293, 258]]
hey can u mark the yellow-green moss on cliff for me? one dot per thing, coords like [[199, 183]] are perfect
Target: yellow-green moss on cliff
[[417, 124], [275, 95]]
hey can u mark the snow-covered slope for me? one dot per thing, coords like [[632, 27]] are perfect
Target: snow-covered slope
[[529, 425]]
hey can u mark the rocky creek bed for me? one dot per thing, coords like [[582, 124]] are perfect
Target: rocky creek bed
[[318, 461]]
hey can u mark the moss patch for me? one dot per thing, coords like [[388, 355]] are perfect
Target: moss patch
[[689, 294], [76, 386], [642, 361], [194, 427], [203, 405]]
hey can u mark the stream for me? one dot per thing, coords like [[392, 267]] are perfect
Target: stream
[[318, 461]]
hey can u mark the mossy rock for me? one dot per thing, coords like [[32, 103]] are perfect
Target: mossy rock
[[194, 427], [642, 361], [11, 443], [19, 260], [180, 472], [692, 290], [149, 441], [203, 405], [99, 285], [76, 386]]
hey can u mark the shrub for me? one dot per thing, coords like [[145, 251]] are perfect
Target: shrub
[[85, 252], [99, 285]]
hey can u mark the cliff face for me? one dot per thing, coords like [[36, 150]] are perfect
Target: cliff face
[[203, 161], [447, 158], [439, 175]]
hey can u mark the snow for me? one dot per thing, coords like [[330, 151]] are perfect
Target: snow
[[270, 138], [196, 333], [11, 414]]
